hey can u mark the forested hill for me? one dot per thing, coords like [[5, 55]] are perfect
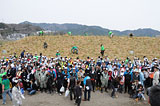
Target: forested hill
[[78, 29]]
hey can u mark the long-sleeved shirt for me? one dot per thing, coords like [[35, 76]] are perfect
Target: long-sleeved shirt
[[1, 75], [85, 79]]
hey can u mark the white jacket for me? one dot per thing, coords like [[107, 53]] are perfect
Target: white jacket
[[156, 78], [17, 96]]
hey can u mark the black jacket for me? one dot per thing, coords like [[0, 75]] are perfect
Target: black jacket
[[78, 91]]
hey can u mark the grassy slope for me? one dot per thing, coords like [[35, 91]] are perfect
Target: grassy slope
[[88, 46]]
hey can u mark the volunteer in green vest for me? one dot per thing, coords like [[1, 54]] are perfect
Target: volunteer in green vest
[[36, 57], [102, 50], [6, 89], [58, 54], [1, 75], [40, 33]]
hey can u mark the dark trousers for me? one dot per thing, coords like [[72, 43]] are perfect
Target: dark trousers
[[120, 88], [0, 91], [146, 83], [59, 85], [98, 83], [24, 84], [93, 84], [150, 80], [43, 89], [113, 91], [109, 84], [127, 87], [72, 91], [102, 53], [85, 94], [50, 87], [78, 101]]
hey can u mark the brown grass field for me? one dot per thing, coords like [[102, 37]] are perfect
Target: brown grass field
[[88, 46]]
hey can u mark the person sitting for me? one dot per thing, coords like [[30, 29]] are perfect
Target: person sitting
[[32, 89], [140, 92]]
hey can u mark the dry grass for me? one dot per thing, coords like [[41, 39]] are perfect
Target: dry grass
[[88, 46]]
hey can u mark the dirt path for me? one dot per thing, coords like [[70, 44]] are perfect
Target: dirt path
[[97, 99]]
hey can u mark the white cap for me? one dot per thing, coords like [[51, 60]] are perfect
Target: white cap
[[110, 69], [12, 65]]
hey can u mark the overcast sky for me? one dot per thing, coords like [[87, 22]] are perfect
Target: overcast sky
[[112, 14]]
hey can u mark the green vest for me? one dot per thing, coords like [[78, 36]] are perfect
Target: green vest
[[6, 84], [1, 75]]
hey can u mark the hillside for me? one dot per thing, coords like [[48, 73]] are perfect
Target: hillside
[[88, 46], [8, 29], [78, 29]]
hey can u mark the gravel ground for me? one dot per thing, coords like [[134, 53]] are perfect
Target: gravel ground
[[97, 99]]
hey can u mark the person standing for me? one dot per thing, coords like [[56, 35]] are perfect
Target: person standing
[[71, 85], [37, 75], [87, 87], [102, 50], [93, 78], [141, 77], [6, 89], [43, 80], [104, 80], [22, 54], [78, 91], [127, 81], [58, 54], [114, 84], [98, 76], [60, 80], [156, 76]]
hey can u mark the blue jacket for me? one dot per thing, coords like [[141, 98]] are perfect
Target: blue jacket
[[85, 79]]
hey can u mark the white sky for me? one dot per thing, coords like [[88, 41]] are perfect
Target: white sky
[[112, 14]]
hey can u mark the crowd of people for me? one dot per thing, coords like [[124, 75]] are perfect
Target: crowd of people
[[34, 73]]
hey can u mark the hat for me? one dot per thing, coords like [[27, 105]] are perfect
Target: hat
[[122, 70], [122, 74], [139, 83], [110, 69], [127, 69], [136, 70]]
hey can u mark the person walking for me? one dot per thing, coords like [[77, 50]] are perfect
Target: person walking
[[6, 89], [17, 95]]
